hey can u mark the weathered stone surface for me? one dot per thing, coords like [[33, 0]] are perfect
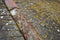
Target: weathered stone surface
[[44, 15]]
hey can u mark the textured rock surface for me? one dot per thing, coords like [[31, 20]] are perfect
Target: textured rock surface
[[8, 28], [44, 15]]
